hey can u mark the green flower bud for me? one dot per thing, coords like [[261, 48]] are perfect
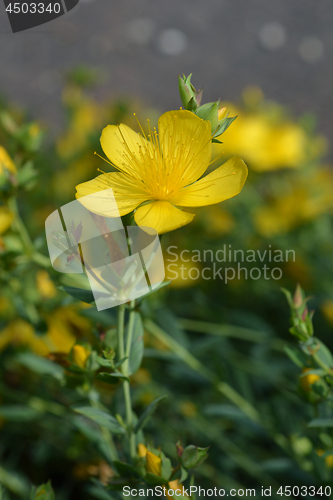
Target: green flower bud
[[193, 456], [189, 96]]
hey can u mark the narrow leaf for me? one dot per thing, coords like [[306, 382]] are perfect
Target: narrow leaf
[[101, 418], [147, 414]]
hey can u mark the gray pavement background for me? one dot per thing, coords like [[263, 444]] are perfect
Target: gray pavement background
[[140, 47]]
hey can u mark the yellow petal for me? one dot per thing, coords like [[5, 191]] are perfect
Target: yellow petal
[[221, 184], [162, 216], [6, 218], [153, 463], [6, 162], [125, 196], [80, 355], [185, 140], [126, 149], [142, 450]]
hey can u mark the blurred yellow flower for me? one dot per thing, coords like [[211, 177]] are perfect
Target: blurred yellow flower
[[265, 138], [45, 285], [161, 173], [307, 381], [5, 305], [142, 450], [87, 117], [327, 309], [308, 196], [63, 181], [80, 355], [64, 325], [264, 145], [182, 274], [20, 332], [153, 463], [188, 409], [6, 163], [216, 221], [328, 459], [34, 130], [6, 219], [142, 376], [175, 485]]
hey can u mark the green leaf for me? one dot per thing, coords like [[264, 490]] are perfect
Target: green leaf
[[321, 422], [78, 293], [209, 112], [101, 418], [180, 473], [137, 345], [27, 174], [100, 493], [13, 243], [43, 492], [171, 324], [193, 456], [322, 352], [111, 378], [224, 124], [296, 356], [105, 318], [183, 475], [191, 105], [166, 468], [125, 470], [147, 414], [162, 285], [93, 435], [153, 479], [40, 365], [184, 92], [19, 413], [106, 363]]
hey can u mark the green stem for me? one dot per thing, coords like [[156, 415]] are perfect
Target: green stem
[[124, 369], [20, 226]]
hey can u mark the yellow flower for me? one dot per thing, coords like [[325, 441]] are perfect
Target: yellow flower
[[328, 459], [308, 380], [6, 219], [216, 221], [153, 463], [175, 485], [159, 173], [6, 163], [327, 309], [142, 450], [307, 197], [182, 274], [80, 355], [266, 139], [64, 325], [188, 409], [19, 332], [45, 285]]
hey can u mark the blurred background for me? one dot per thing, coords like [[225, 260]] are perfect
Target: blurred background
[[140, 47], [237, 380]]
